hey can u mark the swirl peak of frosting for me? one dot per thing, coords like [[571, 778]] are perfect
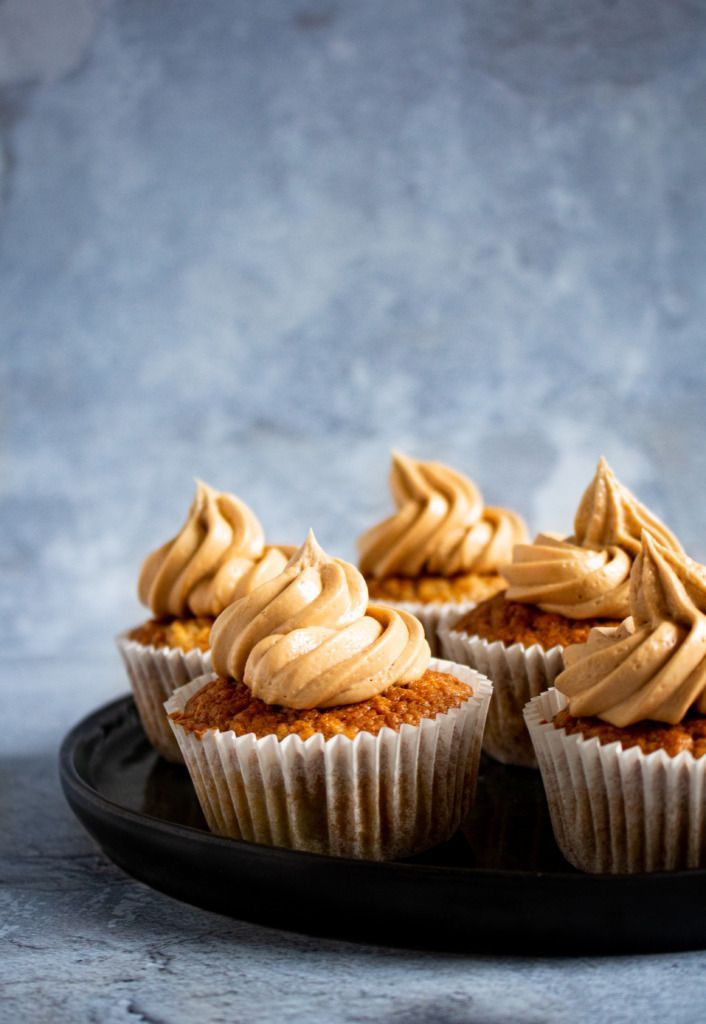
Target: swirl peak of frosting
[[653, 666], [609, 515], [308, 638], [218, 556], [441, 526], [587, 575]]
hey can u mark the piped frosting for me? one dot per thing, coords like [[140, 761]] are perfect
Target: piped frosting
[[441, 526], [653, 666], [609, 515], [587, 575], [308, 638], [218, 556]]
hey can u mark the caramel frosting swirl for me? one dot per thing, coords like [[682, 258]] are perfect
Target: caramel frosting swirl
[[308, 638], [587, 575], [218, 556], [562, 577], [653, 666], [609, 515], [441, 526]]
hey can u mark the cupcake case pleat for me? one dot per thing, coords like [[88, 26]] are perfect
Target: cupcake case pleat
[[154, 674], [376, 797], [517, 674], [618, 811]]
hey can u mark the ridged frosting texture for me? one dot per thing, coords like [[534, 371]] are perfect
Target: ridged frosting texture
[[441, 526], [560, 576], [218, 556], [609, 515], [587, 575], [653, 666], [308, 638]]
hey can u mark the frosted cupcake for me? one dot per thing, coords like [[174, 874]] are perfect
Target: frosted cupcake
[[621, 739], [442, 549], [325, 726], [558, 590], [218, 556]]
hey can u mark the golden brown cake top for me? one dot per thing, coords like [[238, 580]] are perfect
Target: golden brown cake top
[[689, 736], [308, 638], [653, 666], [441, 526], [466, 588], [184, 634], [511, 622], [587, 575], [218, 556], [225, 704]]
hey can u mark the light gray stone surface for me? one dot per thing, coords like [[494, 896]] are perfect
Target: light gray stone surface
[[262, 243]]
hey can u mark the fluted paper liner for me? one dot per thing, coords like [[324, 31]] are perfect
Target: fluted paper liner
[[377, 797], [615, 810], [155, 673], [518, 673], [431, 616]]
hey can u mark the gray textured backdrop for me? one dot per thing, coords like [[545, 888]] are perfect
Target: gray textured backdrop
[[261, 243]]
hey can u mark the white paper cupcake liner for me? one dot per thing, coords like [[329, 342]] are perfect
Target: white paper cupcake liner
[[377, 797], [155, 673], [431, 616], [518, 673], [616, 810]]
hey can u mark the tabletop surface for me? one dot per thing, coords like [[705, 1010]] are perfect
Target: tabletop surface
[[80, 941]]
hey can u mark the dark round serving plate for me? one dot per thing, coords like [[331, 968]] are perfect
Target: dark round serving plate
[[499, 885]]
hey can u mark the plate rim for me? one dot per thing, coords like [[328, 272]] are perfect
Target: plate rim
[[72, 780]]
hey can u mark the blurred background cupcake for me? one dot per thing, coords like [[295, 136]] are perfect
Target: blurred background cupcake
[[621, 740], [327, 727], [218, 556], [558, 589], [441, 551]]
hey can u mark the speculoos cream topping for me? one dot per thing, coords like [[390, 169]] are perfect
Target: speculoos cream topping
[[308, 638], [561, 577], [441, 526], [653, 666], [609, 515], [587, 575], [218, 556]]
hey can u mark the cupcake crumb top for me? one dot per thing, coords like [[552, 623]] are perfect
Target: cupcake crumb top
[[225, 704], [184, 634], [512, 622], [689, 735], [471, 586]]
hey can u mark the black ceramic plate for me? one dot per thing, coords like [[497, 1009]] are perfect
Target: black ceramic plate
[[500, 885]]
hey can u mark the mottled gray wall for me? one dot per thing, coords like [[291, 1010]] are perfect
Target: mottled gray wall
[[263, 242]]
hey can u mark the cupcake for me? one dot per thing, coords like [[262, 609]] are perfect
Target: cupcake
[[218, 556], [325, 726], [441, 551], [621, 739], [558, 590]]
